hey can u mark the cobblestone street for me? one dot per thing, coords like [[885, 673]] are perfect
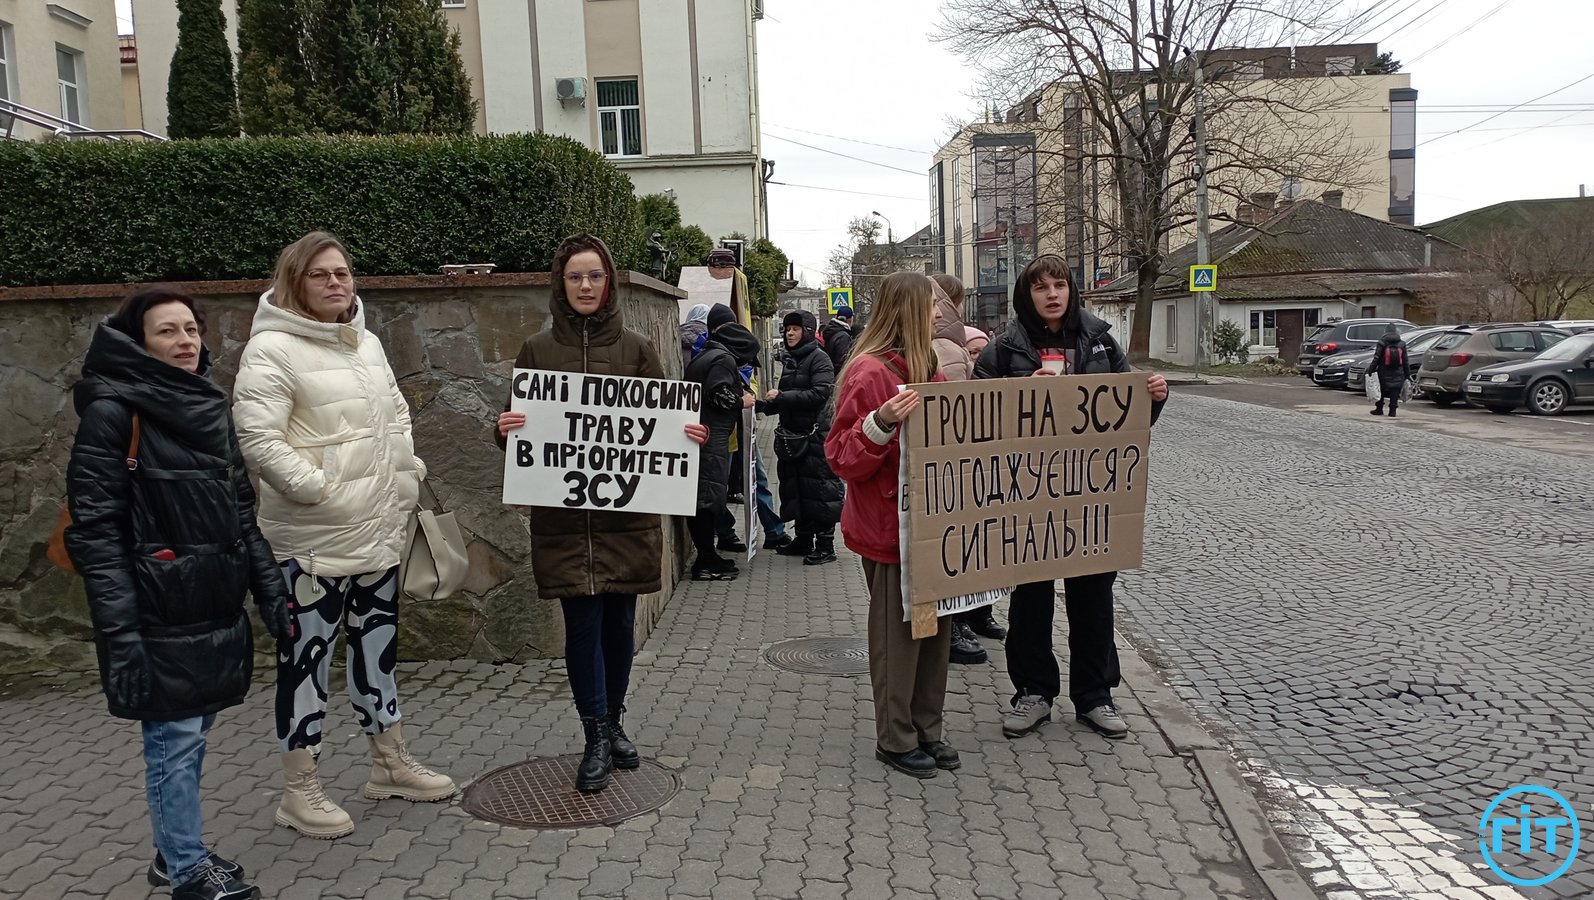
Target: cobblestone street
[[1393, 625], [781, 795]]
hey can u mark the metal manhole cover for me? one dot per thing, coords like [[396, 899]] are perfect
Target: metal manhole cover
[[821, 656], [541, 793]]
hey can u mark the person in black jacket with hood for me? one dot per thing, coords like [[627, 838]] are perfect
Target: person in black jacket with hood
[[164, 534], [1391, 365], [1050, 322], [715, 368], [809, 491], [837, 336]]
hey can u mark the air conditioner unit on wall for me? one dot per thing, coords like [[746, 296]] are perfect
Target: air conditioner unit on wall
[[571, 89]]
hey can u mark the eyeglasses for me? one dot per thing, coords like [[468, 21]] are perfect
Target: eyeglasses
[[320, 276], [574, 279]]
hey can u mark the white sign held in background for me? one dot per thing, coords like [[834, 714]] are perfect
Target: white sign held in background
[[604, 442]]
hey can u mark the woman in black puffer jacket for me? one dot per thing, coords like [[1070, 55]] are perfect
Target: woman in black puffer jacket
[[163, 532], [809, 491]]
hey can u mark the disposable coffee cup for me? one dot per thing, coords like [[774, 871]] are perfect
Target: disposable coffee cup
[[1054, 362]]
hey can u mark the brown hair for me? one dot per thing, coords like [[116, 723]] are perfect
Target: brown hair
[[1051, 265], [129, 316], [292, 265], [902, 320], [951, 286], [570, 246]]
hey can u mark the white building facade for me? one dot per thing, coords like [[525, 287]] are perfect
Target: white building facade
[[666, 89]]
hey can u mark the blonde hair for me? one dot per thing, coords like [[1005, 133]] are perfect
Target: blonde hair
[[903, 320], [294, 261]]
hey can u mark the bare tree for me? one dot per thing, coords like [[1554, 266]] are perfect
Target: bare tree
[[1542, 267], [1111, 109], [840, 270]]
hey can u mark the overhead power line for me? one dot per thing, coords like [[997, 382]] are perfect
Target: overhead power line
[[1468, 27], [1503, 112], [815, 187], [838, 137], [846, 155]]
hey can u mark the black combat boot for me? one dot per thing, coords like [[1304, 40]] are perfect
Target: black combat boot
[[824, 550], [621, 750], [984, 623], [596, 762], [803, 546], [966, 648]]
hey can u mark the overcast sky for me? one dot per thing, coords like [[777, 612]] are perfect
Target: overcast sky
[[866, 70], [862, 78]]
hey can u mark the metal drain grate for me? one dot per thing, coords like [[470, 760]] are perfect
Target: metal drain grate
[[821, 656], [541, 793]]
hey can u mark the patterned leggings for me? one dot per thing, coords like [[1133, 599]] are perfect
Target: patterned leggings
[[320, 607]]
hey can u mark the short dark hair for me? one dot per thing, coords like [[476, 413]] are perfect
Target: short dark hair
[[129, 316]]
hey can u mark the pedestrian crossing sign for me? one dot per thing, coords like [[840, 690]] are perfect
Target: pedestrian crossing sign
[[1203, 278], [837, 297]]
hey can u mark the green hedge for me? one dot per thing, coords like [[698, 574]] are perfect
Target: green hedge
[[91, 212]]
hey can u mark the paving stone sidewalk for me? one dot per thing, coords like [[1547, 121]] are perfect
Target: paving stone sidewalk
[[781, 795]]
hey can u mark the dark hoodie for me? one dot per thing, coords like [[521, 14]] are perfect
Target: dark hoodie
[[189, 498], [1391, 363], [1016, 353], [578, 552]]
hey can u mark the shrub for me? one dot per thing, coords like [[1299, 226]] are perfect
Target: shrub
[[1230, 342], [91, 211]]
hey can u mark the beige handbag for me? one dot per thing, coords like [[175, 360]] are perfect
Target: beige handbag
[[435, 563]]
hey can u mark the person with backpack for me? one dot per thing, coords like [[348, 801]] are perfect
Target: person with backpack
[[1391, 365], [837, 335], [594, 562], [326, 430], [1051, 331], [164, 534], [907, 674], [810, 493]]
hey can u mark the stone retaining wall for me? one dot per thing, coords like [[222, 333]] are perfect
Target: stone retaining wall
[[452, 342]]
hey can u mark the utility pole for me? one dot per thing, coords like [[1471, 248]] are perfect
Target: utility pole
[[1201, 303], [1012, 267], [1203, 300]]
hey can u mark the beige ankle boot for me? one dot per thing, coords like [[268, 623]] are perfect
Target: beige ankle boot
[[395, 773], [306, 808]]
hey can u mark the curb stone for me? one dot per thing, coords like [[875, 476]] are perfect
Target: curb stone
[[1184, 734]]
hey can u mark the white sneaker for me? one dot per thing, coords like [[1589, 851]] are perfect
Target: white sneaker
[[1029, 713]]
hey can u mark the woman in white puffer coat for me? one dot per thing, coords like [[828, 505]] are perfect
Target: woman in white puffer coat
[[322, 423]]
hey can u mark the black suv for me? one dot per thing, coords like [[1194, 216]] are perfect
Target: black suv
[[1344, 336]]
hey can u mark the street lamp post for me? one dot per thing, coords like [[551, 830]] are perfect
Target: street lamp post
[[1202, 301], [891, 244]]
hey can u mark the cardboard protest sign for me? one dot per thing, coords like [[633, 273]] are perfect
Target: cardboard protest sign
[[1014, 480], [606, 442]]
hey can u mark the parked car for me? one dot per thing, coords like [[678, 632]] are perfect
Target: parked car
[[1344, 336], [1571, 326], [1547, 384], [1449, 360], [1417, 343]]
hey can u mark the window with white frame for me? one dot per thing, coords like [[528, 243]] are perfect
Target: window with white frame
[[5, 61], [453, 4], [69, 74], [1171, 325], [620, 117], [1264, 328]]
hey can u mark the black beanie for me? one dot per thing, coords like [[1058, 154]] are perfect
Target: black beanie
[[720, 314]]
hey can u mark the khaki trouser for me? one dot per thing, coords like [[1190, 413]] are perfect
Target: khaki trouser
[[908, 676]]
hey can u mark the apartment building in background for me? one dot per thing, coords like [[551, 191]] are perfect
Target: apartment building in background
[[1032, 179], [59, 60], [666, 89]]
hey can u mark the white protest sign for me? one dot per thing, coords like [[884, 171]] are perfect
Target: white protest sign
[[606, 442], [749, 445]]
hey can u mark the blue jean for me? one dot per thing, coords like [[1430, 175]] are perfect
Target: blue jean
[[600, 641], [773, 526], [174, 754]]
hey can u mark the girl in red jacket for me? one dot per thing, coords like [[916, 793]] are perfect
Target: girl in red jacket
[[908, 676]]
